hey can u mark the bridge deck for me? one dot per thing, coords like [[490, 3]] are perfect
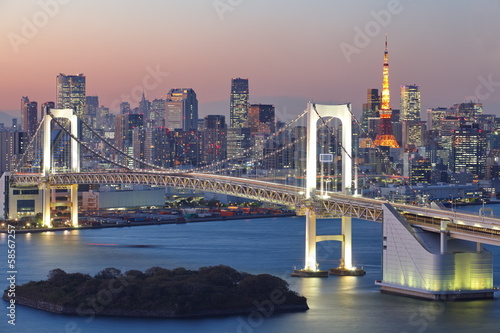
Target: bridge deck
[[466, 226]]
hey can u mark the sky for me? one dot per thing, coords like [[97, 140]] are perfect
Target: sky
[[292, 51]]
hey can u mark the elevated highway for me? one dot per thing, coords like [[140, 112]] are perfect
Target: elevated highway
[[472, 227]]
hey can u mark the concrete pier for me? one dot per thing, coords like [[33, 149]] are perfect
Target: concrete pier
[[417, 263]]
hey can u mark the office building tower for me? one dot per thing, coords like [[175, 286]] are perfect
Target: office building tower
[[410, 103], [144, 107], [124, 126], [71, 93], [370, 110], [239, 103], [124, 108], [413, 134], [181, 109], [385, 136], [91, 106], [214, 139], [12, 145], [261, 119], [420, 170], [468, 150], [45, 108], [468, 111], [29, 113], [238, 143], [157, 115]]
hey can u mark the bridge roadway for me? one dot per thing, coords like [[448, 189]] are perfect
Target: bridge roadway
[[483, 229]]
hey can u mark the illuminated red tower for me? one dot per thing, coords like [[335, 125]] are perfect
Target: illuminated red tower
[[385, 138]]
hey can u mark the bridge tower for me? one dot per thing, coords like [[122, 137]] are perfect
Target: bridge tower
[[316, 112], [61, 153]]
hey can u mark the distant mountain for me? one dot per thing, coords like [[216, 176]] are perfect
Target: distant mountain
[[6, 118], [287, 107]]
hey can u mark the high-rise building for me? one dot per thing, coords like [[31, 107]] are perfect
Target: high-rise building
[[239, 103], [12, 145], [413, 134], [144, 107], [124, 107], [469, 150], [71, 93], [29, 113], [181, 109], [370, 110], [261, 119], [468, 111], [45, 108], [410, 103], [157, 115], [385, 137], [214, 139], [124, 126], [91, 106]]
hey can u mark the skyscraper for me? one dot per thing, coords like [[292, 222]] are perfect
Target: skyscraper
[[181, 109], [261, 119], [238, 111], [29, 115], [370, 110], [45, 108], [91, 106], [410, 102], [469, 149], [124, 107], [214, 139], [71, 92], [385, 137]]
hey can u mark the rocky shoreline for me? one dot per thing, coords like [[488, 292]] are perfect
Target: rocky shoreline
[[158, 292], [72, 311], [135, 224]]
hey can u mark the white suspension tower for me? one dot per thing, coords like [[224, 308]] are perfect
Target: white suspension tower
[[48, 165], [315, 112]]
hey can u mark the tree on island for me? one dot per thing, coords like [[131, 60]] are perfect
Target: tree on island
[[161, 292]]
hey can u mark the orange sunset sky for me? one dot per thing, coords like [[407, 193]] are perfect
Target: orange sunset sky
[[290, 50]]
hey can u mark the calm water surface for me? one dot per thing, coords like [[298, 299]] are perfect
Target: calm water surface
[[271, 245]]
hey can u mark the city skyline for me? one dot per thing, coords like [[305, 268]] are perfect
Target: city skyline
[[299, 51]]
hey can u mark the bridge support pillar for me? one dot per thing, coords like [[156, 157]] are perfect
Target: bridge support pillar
[[347, 242], [311, 266], [414, 263], [46, 198], [310, 255], [74, 204]]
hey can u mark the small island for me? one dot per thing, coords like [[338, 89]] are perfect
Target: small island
[[160, 293]]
